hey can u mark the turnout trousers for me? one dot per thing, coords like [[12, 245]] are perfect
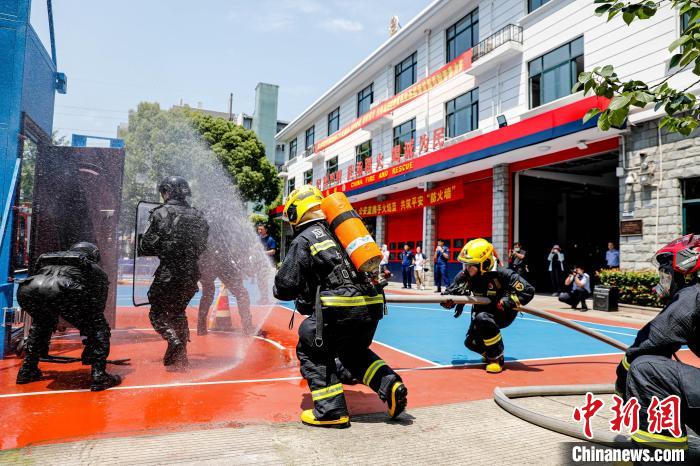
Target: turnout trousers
[[349, 341], [484, 334], [658, 376]]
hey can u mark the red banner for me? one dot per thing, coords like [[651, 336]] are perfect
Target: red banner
[[456, 66], [447, 193]]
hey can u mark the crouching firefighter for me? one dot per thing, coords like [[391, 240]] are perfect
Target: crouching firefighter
[[71, 285], [482, 276], [177, 234], [344, 307], [647, 370]]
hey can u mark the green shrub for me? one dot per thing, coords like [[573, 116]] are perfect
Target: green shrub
[[635, 287]]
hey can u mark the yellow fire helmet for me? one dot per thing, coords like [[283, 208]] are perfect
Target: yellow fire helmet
[[300, 201], [478, 252]]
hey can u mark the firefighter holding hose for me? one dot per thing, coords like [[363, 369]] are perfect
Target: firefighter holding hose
[[647, 370], [482, 276], [342, 301]]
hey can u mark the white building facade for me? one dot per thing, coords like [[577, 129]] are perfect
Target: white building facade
[[463, 125]]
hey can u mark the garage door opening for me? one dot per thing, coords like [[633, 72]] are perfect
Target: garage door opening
[[573, 204]]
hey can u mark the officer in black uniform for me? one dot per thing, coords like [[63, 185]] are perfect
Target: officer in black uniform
[[344, 307], [71, 285], [506, 289], [218, 261], [177, 234], [647, 369]]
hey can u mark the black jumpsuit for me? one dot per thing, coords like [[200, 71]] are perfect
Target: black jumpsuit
[[647, 369], [215, 263], [351, 308], [66, 285], [484, 334], [175, 280]]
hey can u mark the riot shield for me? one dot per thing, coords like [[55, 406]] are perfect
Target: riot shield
[[144, 266]]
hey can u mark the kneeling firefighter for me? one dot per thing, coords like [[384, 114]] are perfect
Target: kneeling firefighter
[[647, 369], [71, 285], [343, 302], [507, 290]]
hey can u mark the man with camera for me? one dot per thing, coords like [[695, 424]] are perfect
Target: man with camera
[[580, 283]]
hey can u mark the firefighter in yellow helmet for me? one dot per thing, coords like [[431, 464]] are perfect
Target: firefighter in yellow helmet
[[482, 276], [344, 307]]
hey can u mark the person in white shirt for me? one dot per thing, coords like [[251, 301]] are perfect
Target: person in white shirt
[[384, 263], [556, 268], [419, 268], [580, 283]]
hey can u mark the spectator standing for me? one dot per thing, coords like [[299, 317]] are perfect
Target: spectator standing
[[580, 283], [556, 269], [384, 263], [268, 242], [406, 265], [517, 260], [441, 258], [419, 268], [612, 257]]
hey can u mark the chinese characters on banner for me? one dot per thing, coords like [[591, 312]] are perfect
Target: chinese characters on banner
[[662, 415], [448, 193], [365, 171]]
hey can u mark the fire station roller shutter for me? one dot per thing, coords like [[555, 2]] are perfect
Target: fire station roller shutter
[[144, 266]]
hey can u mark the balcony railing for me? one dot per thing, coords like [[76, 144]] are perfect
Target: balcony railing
[[509, 33]]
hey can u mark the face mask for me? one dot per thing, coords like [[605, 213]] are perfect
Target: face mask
[[516, 249]]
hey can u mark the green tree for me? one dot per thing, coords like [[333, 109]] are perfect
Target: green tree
[[681, 107], [29, 153], [243, 156], [181, 142]]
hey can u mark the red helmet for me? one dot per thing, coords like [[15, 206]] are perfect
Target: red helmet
[[683, 254], [678, 263]]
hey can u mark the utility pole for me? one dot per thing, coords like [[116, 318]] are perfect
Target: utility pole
[[230, 107]]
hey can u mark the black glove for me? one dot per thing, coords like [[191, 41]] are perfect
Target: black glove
[[506, 304], [458, 310]]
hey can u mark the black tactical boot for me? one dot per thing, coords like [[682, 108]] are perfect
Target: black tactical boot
[[29, 372], [101, 380], [176, 348]]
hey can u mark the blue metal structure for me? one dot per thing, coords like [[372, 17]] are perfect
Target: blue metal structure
[[80, 140], [29, 83]]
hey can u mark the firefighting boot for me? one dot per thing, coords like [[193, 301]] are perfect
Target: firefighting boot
[[29, 372], [397, 399], [101, 380], [339, 422], [175, 350], [496, 366]]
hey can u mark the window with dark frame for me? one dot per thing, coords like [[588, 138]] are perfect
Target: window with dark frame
[[405, 73], [292, 148], [404, 133], [462, 113], [462, 35], [532, 5], [363, 151], [365, 98], [332, 165], [334, 121], [691, 205], [290, 185], [309, 176], [309, 141], [552, 75], [685, 21]]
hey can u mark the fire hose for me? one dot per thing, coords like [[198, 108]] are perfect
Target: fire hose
[[504, 397]]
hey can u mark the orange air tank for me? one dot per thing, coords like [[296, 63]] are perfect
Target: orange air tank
[[347, 226]]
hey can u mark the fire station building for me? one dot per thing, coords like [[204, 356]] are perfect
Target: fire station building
[[462, 125]]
